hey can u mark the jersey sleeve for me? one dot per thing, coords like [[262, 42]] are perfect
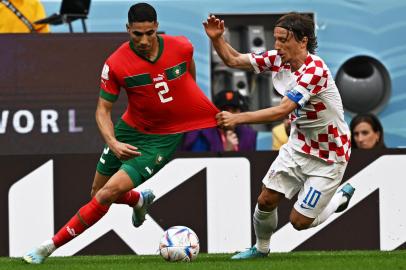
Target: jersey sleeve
[[186, 46], [309, 83], [109, 86], [269, 60]]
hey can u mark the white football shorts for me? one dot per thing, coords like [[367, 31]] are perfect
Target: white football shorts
[[314, 179]]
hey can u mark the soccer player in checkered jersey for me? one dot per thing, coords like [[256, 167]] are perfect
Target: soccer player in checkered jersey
[[313, 161], [158, 74]]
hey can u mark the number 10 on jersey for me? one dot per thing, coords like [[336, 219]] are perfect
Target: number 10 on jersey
[[163, 90]]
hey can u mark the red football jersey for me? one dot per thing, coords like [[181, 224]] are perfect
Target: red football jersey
[[163, 98]]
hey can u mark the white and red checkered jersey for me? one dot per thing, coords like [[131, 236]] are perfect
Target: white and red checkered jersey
[[318, 125]]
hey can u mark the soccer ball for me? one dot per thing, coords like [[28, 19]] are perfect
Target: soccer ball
[[179, 243]]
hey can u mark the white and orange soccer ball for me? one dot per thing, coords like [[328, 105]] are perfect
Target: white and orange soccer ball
[[179, 243]]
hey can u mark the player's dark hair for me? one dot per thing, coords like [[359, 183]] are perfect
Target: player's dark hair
[[374, 122], [301, 26], [142, 12]]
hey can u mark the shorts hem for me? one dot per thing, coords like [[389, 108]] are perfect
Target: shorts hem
[[269, 185], [135, 176], [302, 211], [104, 173], [280, 191]]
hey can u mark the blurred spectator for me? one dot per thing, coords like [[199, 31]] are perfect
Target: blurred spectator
[[366, 132], [242, 138], [280, 134], [18, 16]]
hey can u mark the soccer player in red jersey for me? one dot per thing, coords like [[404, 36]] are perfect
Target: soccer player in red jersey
[[158, 75]]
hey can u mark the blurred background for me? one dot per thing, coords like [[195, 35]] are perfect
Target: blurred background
[[362, 42]]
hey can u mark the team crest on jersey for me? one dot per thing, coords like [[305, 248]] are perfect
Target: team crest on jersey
[[159, 159], [271, 174], [105, 72]]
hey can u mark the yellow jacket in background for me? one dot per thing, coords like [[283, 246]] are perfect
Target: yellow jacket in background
[[279, 136], [31, 9]]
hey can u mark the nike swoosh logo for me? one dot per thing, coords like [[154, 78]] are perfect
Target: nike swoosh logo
[[304, 207]]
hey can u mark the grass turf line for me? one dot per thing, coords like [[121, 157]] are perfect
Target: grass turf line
[[287, 261]]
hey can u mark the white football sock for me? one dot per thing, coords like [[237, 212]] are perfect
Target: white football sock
[[140, 202], [337, 200], [46, 248], [265, 224]]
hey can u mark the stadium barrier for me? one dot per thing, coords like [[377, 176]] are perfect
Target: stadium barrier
[[212, 193]]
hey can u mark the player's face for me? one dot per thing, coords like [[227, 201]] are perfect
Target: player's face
[[286, 45], [365, 137], [144, 36]]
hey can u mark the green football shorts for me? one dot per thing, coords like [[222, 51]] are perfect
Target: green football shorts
[[156, 150]]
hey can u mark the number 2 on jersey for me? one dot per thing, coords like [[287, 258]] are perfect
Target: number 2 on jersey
[[163, 89]]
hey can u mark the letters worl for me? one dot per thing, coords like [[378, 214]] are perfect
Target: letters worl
[[25, 121]]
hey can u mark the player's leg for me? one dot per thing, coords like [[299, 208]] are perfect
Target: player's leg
[[156, 151], [317, 200], [265, 217], [88, 215], [265, 221], [108, 165], [338, 203], [99, 181], [278, 183], [313, 198], [139, 201]]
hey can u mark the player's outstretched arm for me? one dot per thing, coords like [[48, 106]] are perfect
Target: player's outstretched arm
[[123, 151], [229, 120], [215, 29]]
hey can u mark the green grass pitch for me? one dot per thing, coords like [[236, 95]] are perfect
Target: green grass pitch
[[341, 260]]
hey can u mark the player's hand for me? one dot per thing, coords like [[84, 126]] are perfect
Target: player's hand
[[124, 151], [214, 27], [227, 120], [231, 140]]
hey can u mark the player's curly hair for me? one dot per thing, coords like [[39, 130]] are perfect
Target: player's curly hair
[[301, 26], [142, 12]]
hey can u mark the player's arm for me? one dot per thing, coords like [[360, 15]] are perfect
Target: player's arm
[[122, 151], [215, 29], [228, 120], [192, 69]]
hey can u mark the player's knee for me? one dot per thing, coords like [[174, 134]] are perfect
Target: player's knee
[[93, 191], [108, 194], [266, 203], [299, 224], [269, 199]]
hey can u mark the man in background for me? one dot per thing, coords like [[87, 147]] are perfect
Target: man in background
[[18, 16], [240, 138]]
